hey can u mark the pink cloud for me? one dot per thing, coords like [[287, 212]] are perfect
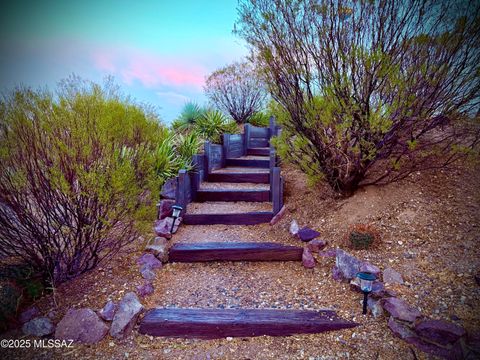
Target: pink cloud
[[150, 69]]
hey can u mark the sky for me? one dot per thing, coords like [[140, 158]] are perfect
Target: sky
[[158, 51]]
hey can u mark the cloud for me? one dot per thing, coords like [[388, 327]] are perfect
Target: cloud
[[173, 97], [151, 70]]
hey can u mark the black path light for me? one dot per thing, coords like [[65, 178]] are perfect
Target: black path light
[[175, 214], [366, 283]]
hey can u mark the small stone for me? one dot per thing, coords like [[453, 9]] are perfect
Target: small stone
[[147, 272], [391, 276], [294, 228], [126, 316], [306, 234], [82, 325], [367, 267], [229, 338], [163, 227], [439, 331], [164, 208], [328, 253], [278, 216], [477, 279], [336, 274], [158, 247], [308, 260], [108, 311], [400, 310], [375, 307], [39, 326], [316, 245], [145, 289], [28, 314], [169, 189], [150, 260]]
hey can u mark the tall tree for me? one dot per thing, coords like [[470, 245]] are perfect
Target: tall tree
[[369, 91], [237, 90]]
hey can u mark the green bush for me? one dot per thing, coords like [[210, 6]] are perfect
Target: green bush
[[191, 112], [213, 124], [260, 119], [76, 169]]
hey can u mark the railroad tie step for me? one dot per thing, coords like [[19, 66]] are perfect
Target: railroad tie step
[[221, 323], [250, 218], [263, 151], [240, 177], [249, 162], [232, 195], [234, 251]]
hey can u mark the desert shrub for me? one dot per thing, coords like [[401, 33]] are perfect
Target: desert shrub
[[213, 124], [189, 115], [76, 169], [10, 297], [371, 90], [362, 237], [237, 90], [260, 118]]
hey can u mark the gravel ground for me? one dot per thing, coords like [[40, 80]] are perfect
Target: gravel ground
[[430, 231], [233, 186]]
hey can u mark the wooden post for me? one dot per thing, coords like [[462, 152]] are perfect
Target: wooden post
[[197, 174], [181, 190], [247, 137], [226, 144], [273, 157], [272, 127], [275, 188], [206, 148]]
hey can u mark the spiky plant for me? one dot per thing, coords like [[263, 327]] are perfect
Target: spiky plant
[[186, 146], [190, 114], [260, 119], [213, 124]]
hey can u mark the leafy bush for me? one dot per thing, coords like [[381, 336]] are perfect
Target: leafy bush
[[76, 169], [363, 236], [260, 119], [213, 124]]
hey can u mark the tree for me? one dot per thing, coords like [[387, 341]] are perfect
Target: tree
[[76, 169], [368, 91], [237, 90]]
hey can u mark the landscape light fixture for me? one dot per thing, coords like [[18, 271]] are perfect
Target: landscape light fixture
[[366, 283], [175, 215]]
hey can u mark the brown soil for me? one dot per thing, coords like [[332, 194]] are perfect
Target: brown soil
[[430, 230]]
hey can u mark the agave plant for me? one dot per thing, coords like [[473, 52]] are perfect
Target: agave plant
[[190, 114], [213, 124], [167, 162], [259, 118], [186, 146]]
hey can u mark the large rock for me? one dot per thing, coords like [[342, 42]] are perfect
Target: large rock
[[145, 290], [126, 316], [108, 311], [400, 310], [162, 227], [278, 216], [168, 189], [28, 314], [164, 208], [308, 260], [150, 260], [82, 325], [293, 228], [391, 276], [40, 326], [439, 331], [147, 272], [306, 234], [404, 332], [316, 245], [348, 265], [158, 247]]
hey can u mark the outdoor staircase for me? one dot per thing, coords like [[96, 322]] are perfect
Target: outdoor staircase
[[252, 180]]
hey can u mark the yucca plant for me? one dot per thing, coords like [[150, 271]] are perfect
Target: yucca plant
[[191, 113], [213, 124], [167, 162], [186, 146]]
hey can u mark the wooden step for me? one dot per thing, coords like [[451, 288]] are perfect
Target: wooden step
[[250, 218], [265, 151], [221, 323], [246, 162], [233, 195], [257, 178], [234, 251]]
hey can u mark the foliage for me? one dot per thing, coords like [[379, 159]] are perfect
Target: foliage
[[10, 295], [369, 91], [213, 124], [237, 90], [260, 118], [363, 236], [76, 169], [191, 112]]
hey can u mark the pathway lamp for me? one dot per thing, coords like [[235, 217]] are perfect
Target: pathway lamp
[[175, 215], [366, 283]]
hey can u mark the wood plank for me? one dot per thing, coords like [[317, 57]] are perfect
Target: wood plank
[[241, 251], [220, 323], [257, 178], [250, 218], [258, 142], [248, 163], [233, 195], [262, 151]]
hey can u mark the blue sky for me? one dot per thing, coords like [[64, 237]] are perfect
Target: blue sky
[[158, 51]]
